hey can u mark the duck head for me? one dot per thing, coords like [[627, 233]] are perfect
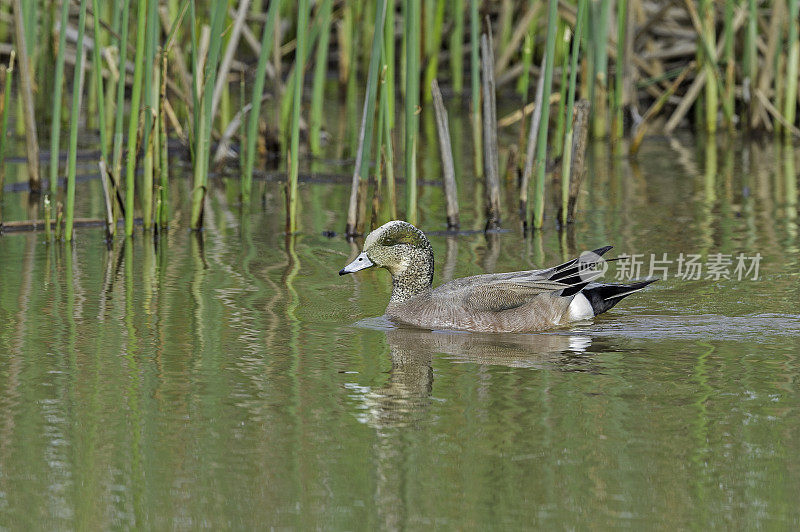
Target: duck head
[[402, 249]]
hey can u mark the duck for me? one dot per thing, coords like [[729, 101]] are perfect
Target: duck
[[512, 302]]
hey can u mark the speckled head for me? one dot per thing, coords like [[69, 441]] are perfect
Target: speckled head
[[402, 249]]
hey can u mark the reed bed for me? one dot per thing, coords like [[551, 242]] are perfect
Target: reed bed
[[645, 66]]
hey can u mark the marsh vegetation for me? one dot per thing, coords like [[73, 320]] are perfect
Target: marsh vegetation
[[236, 88]]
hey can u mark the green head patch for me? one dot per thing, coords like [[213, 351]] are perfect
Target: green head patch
[[394, 233]]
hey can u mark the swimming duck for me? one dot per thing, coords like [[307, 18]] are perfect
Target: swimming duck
[[525, 301]]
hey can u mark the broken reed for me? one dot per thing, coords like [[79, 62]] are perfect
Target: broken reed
[[475, 68], [448, 168], [580, 20]]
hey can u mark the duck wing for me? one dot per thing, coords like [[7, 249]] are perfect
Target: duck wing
[[506, 291], [504, 295]]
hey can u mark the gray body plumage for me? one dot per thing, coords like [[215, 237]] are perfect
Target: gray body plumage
[[504, 302]]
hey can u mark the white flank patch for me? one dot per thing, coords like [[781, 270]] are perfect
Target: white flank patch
[[580, 308]]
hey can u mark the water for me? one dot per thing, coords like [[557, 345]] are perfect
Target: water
[[236, 381]]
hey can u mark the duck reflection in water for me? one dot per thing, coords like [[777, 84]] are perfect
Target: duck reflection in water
[[404, 398], [404, 402]]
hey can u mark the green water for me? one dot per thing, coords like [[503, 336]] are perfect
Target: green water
[[238, 382]]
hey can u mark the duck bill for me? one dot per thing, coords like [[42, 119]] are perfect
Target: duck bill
[[361, 262]]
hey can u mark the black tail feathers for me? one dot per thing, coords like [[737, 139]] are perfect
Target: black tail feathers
[[604, 296], [578, 272]]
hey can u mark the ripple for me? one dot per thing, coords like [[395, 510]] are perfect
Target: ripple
[[751, 328]]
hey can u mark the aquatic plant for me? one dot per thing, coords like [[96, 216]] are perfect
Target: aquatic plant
[[672, 60], [77, 93], [297, 89]]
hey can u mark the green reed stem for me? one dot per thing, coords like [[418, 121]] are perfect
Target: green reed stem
[[558, 141], [387, 151], [524, 81], [197, 77], [113, 79], [153, 150], [361, 170], [750, 51], [320, 74], [379, 130], [29, 12], [710, 37], [403, 48], [133, 119], [619, 70], [243, 130], [163, 193], [600, 68], [162, 211], [790, 100], [431, 69], [23, 31], [475, 66], [47, 54], [97, 68], [388, 54], [351, 92], [205, 122], [728, 59], [287, 100], [119, 114], [97, 75], [150, 103], [541, 139], [255, 110], [346, 43], [373, 73], [6, 103], [77, 93], [55, 125], [366, 12], [457, 47], [294, 149], [505, 23], [412, 23]]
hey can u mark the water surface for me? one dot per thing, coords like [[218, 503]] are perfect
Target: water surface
[[234, 380]]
